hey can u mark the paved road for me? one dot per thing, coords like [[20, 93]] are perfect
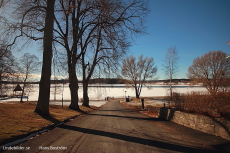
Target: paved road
[[116, 129]]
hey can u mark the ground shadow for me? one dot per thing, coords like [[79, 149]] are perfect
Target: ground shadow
[[129, 117], [120, 110], [221, 123], [143, 141], [51, 119]]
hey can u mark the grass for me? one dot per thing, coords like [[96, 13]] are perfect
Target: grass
[[19, 118]]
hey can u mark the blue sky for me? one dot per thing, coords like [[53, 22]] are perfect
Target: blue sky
[[195, 27]]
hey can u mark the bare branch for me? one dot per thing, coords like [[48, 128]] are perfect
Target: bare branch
[[211, 69], [138, 71]]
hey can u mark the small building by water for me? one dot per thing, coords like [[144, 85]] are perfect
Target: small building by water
[[17, 91]]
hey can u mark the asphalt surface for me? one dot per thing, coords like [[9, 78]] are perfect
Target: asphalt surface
[[114, 128]]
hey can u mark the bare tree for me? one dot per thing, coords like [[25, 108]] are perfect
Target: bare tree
[[212, 69], [68, 16], [87, 32], [138, 71], [30, 20], [42, 107], [170, 66], [102, 52], [103, 59], [29, 64], [111, 41], [77, 22]]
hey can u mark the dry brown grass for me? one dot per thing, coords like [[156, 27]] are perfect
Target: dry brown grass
[[19, 118]]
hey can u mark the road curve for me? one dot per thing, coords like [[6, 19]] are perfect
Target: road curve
[[115, 129]]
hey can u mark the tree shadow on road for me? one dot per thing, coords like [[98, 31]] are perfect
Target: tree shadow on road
[[130, 117], [119, 110], [143, 141], [51, 119]]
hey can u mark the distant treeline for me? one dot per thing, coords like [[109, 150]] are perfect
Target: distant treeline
[[107, 81], [101, 81], [122, 81], [173, 80], [17, 82]]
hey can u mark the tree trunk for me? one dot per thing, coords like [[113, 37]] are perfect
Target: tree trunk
[[170, 85], [23, 89], [0, 83], [42, 107], [170, 90], [137, 94], [85, 94], [73, 86]]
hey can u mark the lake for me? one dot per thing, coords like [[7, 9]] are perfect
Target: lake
[[99, 92]]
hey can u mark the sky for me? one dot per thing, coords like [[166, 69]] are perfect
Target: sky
[[194, 27]]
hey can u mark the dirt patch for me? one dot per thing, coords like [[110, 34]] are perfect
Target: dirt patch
[[152, 111]]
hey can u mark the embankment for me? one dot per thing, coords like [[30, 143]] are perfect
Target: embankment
[[216, 126]]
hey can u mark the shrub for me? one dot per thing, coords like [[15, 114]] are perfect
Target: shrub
[[217, 105]]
